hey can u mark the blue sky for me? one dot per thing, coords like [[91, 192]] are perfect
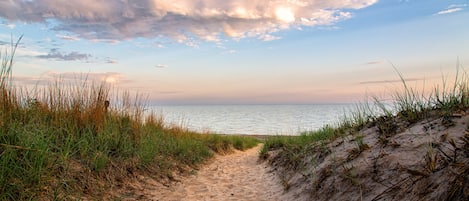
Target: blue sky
[[216, 52]]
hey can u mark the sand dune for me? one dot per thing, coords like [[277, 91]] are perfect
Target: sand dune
[[425, 160], [237, 176]]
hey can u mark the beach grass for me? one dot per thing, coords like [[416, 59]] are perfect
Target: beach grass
[[408, 107], [72, 140]]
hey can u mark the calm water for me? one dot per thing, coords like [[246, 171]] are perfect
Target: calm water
[[253, 119]]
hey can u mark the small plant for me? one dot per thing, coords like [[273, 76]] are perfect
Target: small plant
[[350, 174], [285, 183], [431, 158], [360, 147], [264, 152], [387, 125], [99, 161]]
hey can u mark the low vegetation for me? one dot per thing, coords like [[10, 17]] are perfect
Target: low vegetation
[[78, 140], [384, 151]]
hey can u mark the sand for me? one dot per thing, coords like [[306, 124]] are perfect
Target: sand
[[236, 176], [426, 160]]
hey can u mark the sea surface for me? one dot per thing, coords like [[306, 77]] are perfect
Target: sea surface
[[253, 119]]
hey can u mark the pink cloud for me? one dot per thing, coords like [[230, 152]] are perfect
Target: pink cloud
[[183, 20]]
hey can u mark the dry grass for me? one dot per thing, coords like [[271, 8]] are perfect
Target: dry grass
[[73, 140], [366, 143]]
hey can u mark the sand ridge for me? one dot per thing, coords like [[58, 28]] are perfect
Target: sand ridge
[[237, 176], [426, 160]]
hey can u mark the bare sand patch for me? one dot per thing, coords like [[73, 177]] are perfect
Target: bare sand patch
[[236, 176]]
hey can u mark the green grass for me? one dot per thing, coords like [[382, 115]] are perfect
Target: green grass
[[302, 141], [61, 141], [338, 153], [409, 106]]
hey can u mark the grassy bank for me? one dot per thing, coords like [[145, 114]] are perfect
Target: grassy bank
[[381, 152], [409, 106], [66, 141]]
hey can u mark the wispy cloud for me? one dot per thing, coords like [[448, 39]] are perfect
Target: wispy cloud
[[28, 52], [159, 45], [9, 25], [169, 92], [111, 61], [373, 62], [108, 77], [54, 54], [452, 9], [182, 20], [268, 37], [161, 66], [28, 80], [390, 81], [69, 38], [71, 77], [230, 52], [457, 5], [448, 11]]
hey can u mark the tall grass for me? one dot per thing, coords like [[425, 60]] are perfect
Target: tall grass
[[408, 107], [63, 141], [323, 158]]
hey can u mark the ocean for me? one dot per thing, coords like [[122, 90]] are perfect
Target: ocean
[[253, 119]]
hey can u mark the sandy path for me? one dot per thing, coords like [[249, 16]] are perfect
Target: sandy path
[[237, 176]]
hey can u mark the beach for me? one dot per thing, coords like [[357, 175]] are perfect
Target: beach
[[235, 176]]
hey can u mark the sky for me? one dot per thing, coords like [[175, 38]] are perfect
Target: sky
[[238, 52]]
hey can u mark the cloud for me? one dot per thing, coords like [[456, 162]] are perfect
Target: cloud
[[72, 78], [457, 5], [181, 21], [268, 37], [28, 52], [169, 92], [448, 11], [111, 61], [28, 80], [70, 38], [108, 77], [161, 66], [230, 51], [159, 45], [9, 25], [54, 54], [110, 41], [390, 81], [373, 62], [21, 51], [452, 9]]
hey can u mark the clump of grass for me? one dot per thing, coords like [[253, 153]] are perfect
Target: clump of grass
[[357, 119], [327, 133], [360, 147], [350, 174], [408, 107], [69, 140], [431, 158]]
